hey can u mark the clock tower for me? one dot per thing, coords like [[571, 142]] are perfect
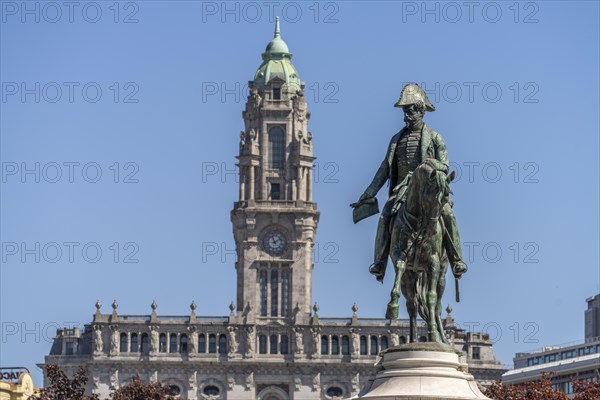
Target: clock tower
[[275, 219]]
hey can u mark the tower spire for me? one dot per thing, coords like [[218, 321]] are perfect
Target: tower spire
[[277, 32]]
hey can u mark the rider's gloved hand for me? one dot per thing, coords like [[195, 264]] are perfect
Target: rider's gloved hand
[[458, 269]]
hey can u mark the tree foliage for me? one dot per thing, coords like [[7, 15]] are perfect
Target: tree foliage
[[136, 390], [542, 390], [62, 388]]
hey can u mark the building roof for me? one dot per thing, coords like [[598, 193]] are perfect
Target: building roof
[[277, 63]]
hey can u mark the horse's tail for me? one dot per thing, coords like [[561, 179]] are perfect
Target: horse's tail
[[421, 289]]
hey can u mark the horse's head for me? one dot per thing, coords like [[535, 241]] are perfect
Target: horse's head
[[435, 189]]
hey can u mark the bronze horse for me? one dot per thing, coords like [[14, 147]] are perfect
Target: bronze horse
[[420, 261]]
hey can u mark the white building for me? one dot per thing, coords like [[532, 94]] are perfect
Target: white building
[[562, 363], [273, 345]]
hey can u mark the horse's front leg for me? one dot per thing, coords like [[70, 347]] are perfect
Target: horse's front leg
[[392, 307], [408, 290], [432, 300], [440, 292]]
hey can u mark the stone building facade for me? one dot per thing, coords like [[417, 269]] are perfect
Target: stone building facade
[[273, 345]]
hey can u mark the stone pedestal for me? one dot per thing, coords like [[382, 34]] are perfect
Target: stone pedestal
[[421, 371]]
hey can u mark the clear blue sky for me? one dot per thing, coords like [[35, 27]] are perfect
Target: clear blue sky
[[517, 96]]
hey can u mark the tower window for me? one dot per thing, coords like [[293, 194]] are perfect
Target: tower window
[[263, 293], [276, 147], [274, 282], [274, 294], [275, 191], [285, 293], [276, 93], [476, 353]]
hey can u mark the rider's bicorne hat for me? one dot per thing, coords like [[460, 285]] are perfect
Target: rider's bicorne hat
[[413, 94]]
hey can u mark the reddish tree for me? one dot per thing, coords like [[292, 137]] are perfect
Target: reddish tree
[[586, 390], [137, 390], [542, 390], [63, 388]]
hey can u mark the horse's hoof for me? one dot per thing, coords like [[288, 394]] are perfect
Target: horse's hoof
[[378, 271], [391, 312]]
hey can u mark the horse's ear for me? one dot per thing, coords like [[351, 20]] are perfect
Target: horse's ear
[[451, 176]]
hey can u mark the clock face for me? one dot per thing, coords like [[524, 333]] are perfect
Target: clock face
[[274, 243]]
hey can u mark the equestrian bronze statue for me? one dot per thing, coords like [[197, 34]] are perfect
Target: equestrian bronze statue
[[417, 228]]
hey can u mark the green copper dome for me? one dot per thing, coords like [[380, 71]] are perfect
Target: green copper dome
[[277, 62]]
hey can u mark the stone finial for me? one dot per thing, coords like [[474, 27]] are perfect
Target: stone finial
[[153, 306], [115, 305], [98, 305], [354, 309], [193, 307], [316, 308], [232, 307], [449, 309]]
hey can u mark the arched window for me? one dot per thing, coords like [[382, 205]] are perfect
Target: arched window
[[374, 345], [133, 346], [285, 293], [222, 344], [335, 345], [173, 343], [162, 343], [262, 344], [262, 278], [284, 345], [212, 343], [363, 345], [145, 344], [174, 390], [274, 293], [211, 390], [335, 391], [345, 345], [324, 345], [384, 342], [402, 339], [183, 344], [123, 343], [273, 344], [276, 147], [202, 343]]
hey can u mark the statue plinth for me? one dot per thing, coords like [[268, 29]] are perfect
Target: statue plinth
[[428, 371]]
